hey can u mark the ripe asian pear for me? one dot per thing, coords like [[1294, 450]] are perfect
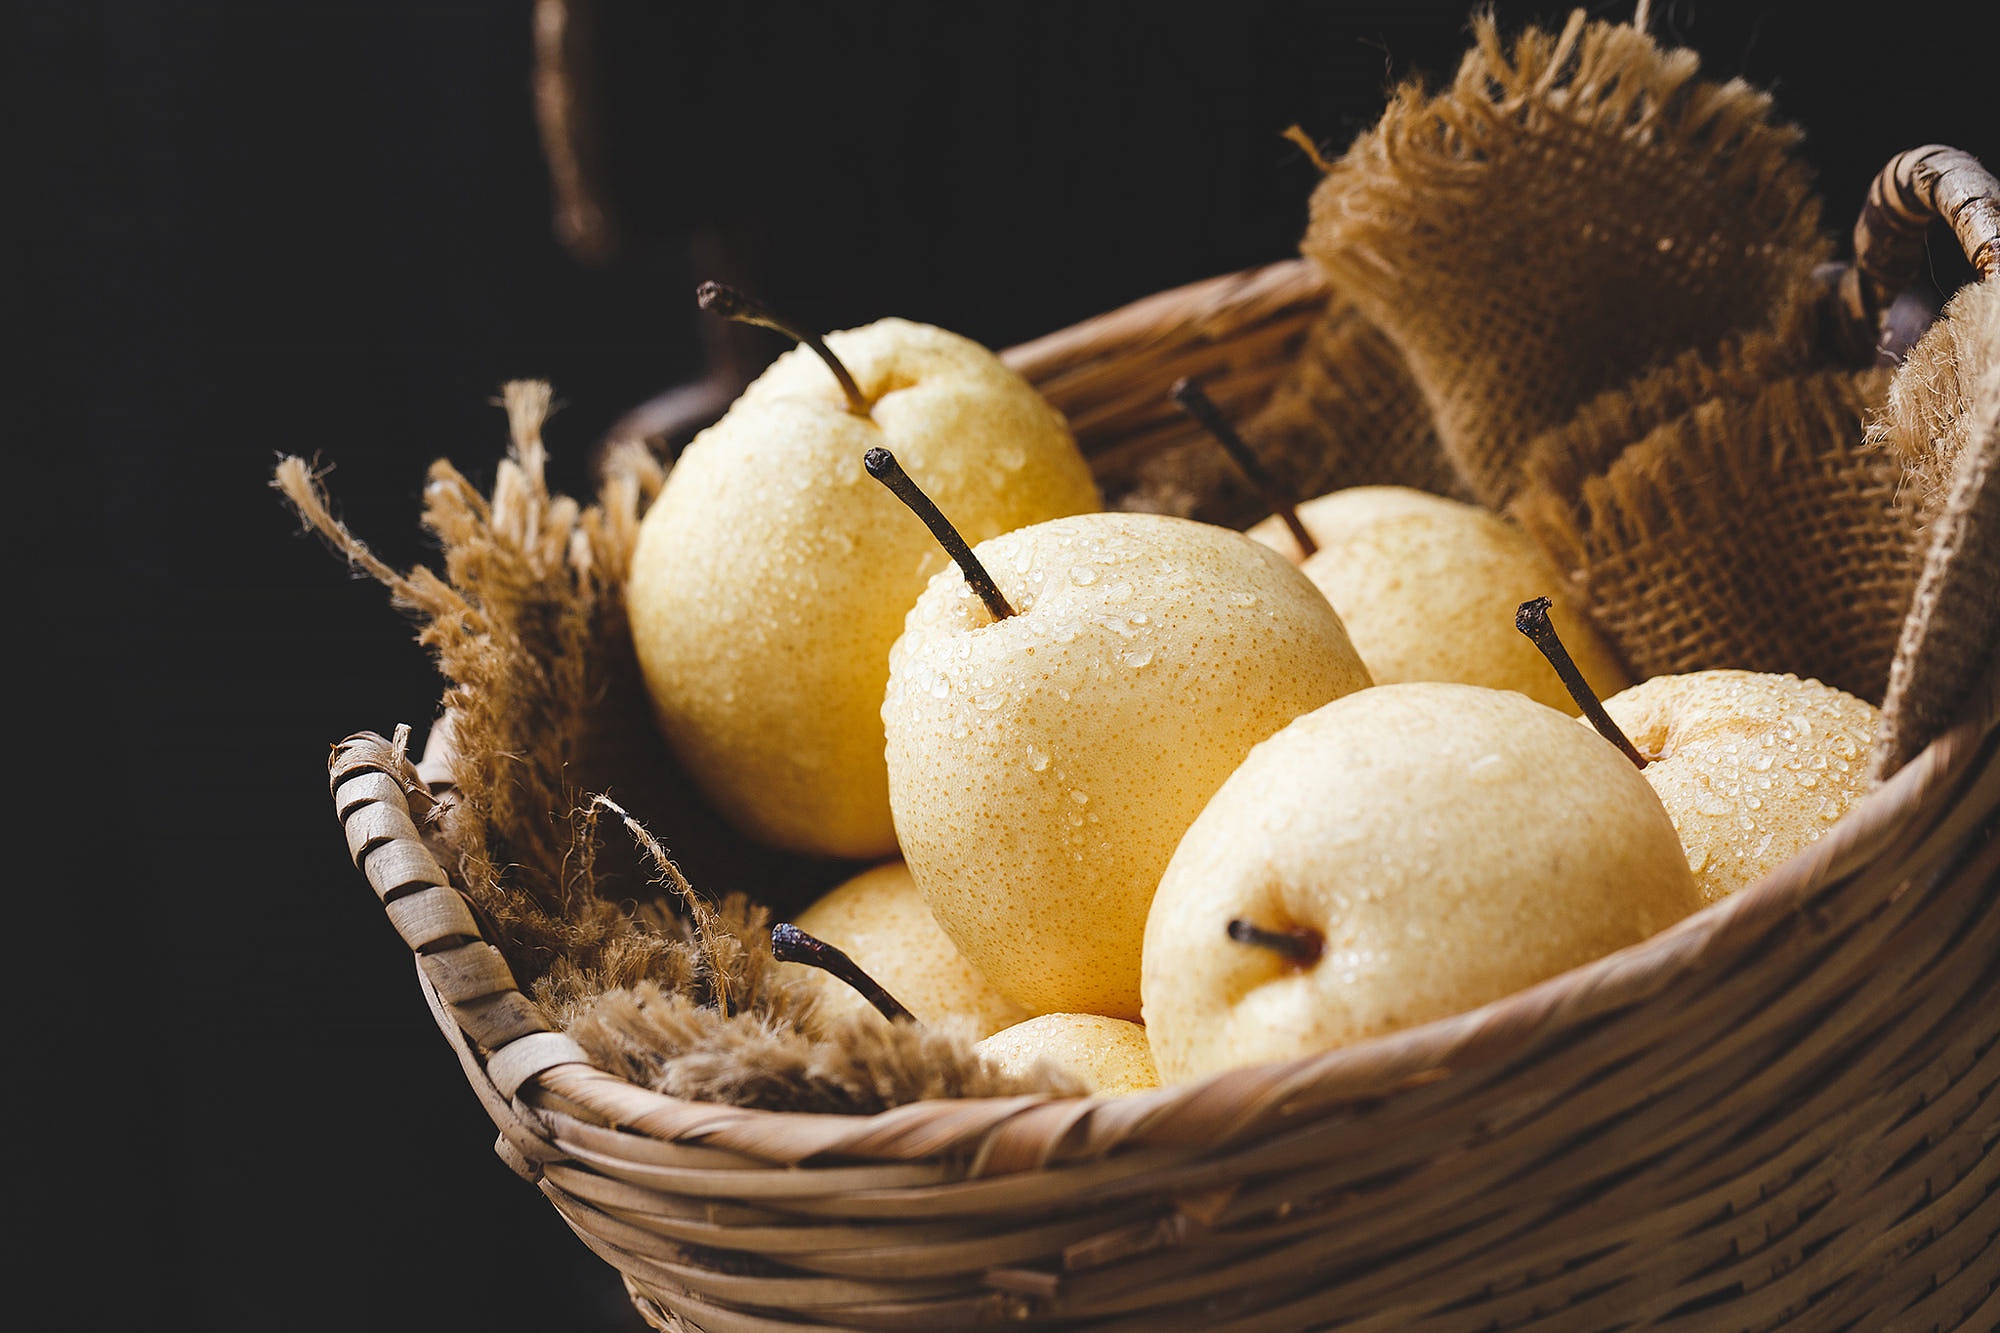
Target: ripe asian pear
[[1043, 765], [1393, 857], [772, 575], [879, 920], [1108, 1055], [1752, 766]]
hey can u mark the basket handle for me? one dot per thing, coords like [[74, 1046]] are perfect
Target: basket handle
[[1917, 187]]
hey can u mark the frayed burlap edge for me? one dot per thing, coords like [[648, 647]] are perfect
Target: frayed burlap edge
[[1391, 227], [677, 994], [1929, 419], [1560, 462], [1607, 77], [1943, 419], [1759, 533]]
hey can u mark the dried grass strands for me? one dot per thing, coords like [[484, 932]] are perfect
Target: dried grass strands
[[521, 623], [678, 994]]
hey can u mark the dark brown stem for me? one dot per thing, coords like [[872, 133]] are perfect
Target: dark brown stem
[[1298, 944], [882, 466], [789, 944], [1189, 397], [1532, 619], [722, 299]]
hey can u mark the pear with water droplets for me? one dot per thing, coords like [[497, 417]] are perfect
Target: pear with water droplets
[[1109, 1056], [772, 575], [1043, 765], [1753, 766], [1409, 852], [1427, 588], [879, 920]]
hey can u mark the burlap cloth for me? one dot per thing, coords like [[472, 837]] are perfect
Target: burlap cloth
[[1585, 287]]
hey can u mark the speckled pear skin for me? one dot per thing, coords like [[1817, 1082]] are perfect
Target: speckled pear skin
[[1109, 1055], [1042, 767], [1752, 766], [1428, 587], [773, 574], [1452, 844], [879, 919]]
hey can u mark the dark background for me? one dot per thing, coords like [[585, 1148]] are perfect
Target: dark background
[[247, 229]]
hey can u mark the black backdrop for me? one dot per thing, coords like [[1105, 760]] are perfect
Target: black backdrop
[[324, 228]]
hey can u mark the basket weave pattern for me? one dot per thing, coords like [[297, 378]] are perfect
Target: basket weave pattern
[[1778, 1113]]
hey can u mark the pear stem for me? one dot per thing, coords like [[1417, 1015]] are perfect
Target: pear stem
[[789, 944], [1532, 619], [882, 466], [1188, 396], [1296, 943], [722, 299]]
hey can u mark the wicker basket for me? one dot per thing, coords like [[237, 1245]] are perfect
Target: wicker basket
[[1775, 1114]]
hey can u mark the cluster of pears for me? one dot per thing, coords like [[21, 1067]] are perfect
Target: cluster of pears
[[1164, 797]]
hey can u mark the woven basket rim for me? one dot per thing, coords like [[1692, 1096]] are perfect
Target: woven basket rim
[[1373, 1068]]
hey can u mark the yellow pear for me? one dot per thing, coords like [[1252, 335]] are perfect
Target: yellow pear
[[772, 575], [1398, 855], [1107, 1055], [1752, 766], [1427, 589], [879, 920], [1043, 765]]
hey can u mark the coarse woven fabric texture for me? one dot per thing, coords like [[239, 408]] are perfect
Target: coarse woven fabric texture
[[1604, 281], [1569, 212], [1943, 422]]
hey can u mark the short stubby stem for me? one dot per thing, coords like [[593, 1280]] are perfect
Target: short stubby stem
[[789, 944], [1297, 944]]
